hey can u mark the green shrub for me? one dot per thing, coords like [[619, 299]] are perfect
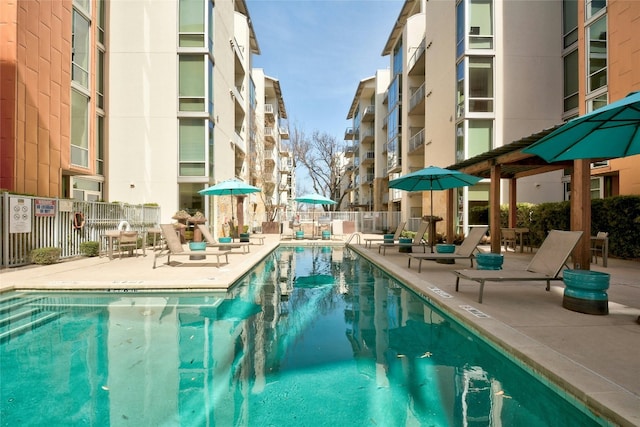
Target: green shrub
[[90, 248], [49, 255]]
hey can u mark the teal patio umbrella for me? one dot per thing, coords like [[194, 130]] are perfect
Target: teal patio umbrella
[[606, 133], [230, 187], [433, 178], [315, 199]]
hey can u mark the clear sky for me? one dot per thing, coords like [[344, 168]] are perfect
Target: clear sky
[[319, 50]]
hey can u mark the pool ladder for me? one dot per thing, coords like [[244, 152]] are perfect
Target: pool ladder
[[357, 235]]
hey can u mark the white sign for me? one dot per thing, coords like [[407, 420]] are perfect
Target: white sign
[[19, 215]]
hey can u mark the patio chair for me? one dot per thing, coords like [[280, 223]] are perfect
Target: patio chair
[[212, 243], [598, 246], [396, 236], [418, 240], [464, 251], [128, 242], [508, 238], [175, 248], [544, 267]]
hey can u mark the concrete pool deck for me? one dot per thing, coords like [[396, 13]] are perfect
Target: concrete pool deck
[[596, 358]]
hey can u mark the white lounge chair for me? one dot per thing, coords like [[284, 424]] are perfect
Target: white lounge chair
[[545, 265], [175, 248], [396, 236], [464, 251], [212, 243], [418, 240]]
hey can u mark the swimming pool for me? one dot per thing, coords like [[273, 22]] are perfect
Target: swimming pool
[[311, 336]]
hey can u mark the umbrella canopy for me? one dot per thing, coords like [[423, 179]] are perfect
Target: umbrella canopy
[[231, 187], [433, 178], [315, 199], [606, 133]]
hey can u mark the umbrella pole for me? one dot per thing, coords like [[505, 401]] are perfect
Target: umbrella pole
[[431, 223]]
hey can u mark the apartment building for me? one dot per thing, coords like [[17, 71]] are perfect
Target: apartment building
[[470, 76], [271, 165], [367, 183], [135, 102]]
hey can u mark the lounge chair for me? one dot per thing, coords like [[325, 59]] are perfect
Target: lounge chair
[[545, 265], [396, 236], [464, 251], [174, 247], [418, 240], [212, 243]]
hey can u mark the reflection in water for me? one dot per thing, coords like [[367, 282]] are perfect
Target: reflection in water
[[312, 337]]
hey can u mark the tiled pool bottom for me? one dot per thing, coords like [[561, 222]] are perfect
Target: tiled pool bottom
[[312, 336]]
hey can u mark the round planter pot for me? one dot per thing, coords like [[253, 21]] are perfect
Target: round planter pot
[[388, 238], [244, 237], [489, 261], [299, 235], [405, 245], [326, 235], [586, 291], [445, 248], [197, 246], [224, 240]]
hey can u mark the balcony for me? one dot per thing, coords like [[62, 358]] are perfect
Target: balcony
[[269, 157], [269, 134], [417, 101], [416, 63], [367, 135], [269, 111], [350, 150], [350, 134], [368, 158], [416, 142], [239, 143], [369, 113], [284, 132]]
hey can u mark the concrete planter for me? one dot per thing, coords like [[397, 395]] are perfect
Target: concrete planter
[[388, 238], [299, 235], [445, 248], [586, 291], [197, 246], [405, 245], [326, 235]]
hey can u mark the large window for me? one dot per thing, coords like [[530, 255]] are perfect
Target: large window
[[460, 90], [100, 79], [192, 83], [79, 129], [80, 50], [480, 84], [191, 23], [192, 147], [597, 54], [99, 145], [460, 26], [571, 81], [570, 22], [592, 7], [480, 24], [480, 137]]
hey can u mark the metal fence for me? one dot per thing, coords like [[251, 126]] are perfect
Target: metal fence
[[63, 224]]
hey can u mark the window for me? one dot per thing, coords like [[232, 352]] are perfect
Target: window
[[570, 22], [79, 129], [480, 84], [100, 19], [80, 50], [460, 90], [571, 81], [597, 102], [480, 24], [460, 26], [460, 150], [192, 147], [99, 145], [191, 23], [480, 137], [100, 79], [592, 7], [189, 198], [397, 59], [597, 54], [192, 83]]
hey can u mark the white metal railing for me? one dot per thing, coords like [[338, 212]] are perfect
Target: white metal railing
[[57, 227], [416, 97], [416, 141], [268, 108]]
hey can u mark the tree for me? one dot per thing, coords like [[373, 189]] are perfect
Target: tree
[[322, 157]]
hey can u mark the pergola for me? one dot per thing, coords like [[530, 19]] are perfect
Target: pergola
[[509, 162]]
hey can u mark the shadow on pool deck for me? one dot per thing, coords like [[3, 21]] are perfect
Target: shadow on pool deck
[[597, 358]]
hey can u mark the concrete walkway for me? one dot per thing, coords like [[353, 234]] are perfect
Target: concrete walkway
[[594, 357]]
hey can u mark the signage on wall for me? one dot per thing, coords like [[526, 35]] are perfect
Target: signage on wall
[[19, 215], [45, 207]]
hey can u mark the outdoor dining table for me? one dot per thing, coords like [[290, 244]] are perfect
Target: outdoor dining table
[[521, 232], [111, 237]]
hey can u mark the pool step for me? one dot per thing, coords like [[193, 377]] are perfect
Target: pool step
[[19, 314]]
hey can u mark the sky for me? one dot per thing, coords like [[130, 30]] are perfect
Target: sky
[[319, 50]]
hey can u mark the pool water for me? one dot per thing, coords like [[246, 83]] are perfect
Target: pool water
[[314, 336]]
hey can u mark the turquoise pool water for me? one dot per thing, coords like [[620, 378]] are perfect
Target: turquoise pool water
[[311, 337]]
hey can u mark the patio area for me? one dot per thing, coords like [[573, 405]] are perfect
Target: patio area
[[595, 357]]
